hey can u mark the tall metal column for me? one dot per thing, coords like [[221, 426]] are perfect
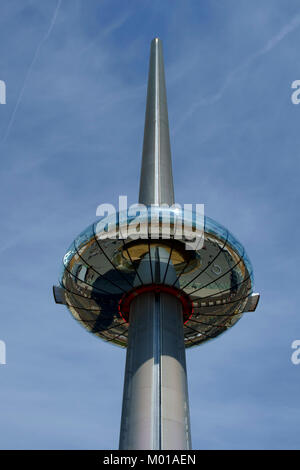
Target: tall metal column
[[155, 413], [156, 183], [155, 401]]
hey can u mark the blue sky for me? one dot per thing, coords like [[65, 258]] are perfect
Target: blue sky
[[71, 138]]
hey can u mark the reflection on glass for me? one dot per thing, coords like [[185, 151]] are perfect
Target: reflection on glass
[[98, 271]]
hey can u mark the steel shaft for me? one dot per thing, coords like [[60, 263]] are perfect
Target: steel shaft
[[155, 411], [156, 182]]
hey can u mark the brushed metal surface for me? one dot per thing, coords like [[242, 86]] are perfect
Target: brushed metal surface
[[155, 411], [156, 182]]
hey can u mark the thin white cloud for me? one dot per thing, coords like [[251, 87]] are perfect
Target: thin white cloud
[[106, 31], [36, 54], [287, 29]]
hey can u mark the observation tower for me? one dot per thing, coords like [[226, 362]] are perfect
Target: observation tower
[[151, 294]]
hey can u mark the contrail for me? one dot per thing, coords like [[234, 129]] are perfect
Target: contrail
[[288, 28], [106, 32], [48, 32]]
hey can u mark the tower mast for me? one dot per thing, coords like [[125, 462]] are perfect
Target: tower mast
[[153, 296], [156, 183], [155, 413]]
